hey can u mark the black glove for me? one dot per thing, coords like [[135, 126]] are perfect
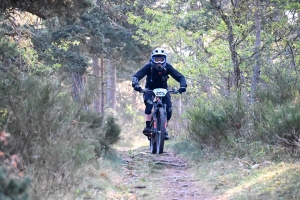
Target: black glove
[[181, 89], [138, 88], [135, 81]]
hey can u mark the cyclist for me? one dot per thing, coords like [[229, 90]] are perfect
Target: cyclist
[[156, 72]]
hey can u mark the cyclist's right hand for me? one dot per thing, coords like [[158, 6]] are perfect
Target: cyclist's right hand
[[138, 88]]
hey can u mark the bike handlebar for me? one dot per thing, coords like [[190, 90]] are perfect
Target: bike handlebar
[[173, 91]]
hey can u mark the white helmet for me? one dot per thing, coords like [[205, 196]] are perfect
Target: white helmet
[[159, 53]]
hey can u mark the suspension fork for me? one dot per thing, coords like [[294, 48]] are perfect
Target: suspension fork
[[154, 117], [165, 115]]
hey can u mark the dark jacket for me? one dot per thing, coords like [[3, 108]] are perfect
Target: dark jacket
[[158, 79]]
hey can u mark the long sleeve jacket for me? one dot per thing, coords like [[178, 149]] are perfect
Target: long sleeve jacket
[[158, 79]]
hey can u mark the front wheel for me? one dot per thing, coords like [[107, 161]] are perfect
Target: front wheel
[[153, 145], [152, 139], [161, 131]]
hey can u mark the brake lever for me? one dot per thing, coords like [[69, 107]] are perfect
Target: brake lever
[[174, 91], [144, 90]]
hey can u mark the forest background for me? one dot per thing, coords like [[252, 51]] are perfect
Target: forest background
[[66, 96]]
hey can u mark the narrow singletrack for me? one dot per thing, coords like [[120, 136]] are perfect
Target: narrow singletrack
[[161, 177]]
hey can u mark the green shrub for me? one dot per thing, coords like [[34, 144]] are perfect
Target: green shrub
[[274, 117], [11, 188], [8, 52], [110, 137], [90, 117], [276, 114], [279, 85], [215, 122], [112, 131], [277, 121], [54, 135]]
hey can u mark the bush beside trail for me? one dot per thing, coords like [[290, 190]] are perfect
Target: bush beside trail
[[54, 136], [235, 124]]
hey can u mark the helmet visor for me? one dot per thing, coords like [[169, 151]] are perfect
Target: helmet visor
[[160, 59]]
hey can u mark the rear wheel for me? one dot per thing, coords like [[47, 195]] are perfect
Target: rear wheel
[[161, 131]]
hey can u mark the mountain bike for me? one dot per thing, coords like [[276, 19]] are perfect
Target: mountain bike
[[159, 119]]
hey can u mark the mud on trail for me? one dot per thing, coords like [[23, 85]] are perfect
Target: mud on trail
[[161, 177]]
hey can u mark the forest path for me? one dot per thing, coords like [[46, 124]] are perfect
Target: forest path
[[161, 177]]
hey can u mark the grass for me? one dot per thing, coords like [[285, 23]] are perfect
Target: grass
[[96, 180], [237, 178], [123, 176], [279, 181]]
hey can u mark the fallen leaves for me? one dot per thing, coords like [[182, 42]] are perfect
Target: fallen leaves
[[14, 160], [3, 137]]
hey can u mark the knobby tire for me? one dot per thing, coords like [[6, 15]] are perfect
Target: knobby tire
[[153, 141], [153, 145], [161, 131]]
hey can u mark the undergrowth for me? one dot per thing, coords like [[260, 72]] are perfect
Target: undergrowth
[[54, 136]]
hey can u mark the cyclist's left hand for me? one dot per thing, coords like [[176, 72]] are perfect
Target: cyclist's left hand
[[182, 89]]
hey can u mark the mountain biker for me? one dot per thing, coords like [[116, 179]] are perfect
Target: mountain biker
[[156, 72]]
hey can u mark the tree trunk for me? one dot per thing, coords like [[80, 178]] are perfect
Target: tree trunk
[[111, 86], [232, 44], [97, 74], [77, 86], [102, 85], [256, 69]]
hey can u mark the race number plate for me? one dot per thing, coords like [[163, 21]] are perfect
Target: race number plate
[[160, 92]]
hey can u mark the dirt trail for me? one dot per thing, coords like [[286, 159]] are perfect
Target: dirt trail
[[160, 177]]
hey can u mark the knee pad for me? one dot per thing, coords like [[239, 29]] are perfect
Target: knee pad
[[148, 109], [169, 113]]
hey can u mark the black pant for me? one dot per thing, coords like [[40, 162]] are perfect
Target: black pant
[[148, 99]]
